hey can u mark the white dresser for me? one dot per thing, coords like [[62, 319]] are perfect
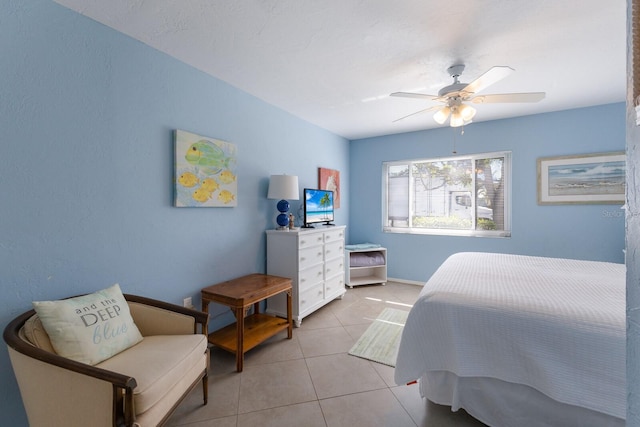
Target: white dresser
[[314, 261]]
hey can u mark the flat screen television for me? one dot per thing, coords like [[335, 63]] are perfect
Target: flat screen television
[[318, 207]]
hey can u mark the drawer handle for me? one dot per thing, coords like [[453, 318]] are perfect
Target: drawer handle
[[319, 254], [320, 292], [319, 273], [302, 258], [303, 280]]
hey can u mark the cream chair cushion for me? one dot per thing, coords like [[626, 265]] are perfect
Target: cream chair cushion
[[158, 363]]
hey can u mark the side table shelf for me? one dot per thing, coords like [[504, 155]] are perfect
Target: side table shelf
[[365, 266], [257, 328]]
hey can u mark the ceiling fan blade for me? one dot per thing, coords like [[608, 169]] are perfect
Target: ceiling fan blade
[[415, 95], [494, 75], [509, 97], [435, 107]]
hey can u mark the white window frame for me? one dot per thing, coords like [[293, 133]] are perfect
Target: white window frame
[[390, 228]]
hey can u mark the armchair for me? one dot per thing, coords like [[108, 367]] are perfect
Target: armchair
[[140, 386]]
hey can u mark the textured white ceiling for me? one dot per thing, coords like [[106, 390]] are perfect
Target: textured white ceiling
[[334, 62]]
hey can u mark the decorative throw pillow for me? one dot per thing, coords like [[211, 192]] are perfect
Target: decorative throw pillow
[[89, 328]]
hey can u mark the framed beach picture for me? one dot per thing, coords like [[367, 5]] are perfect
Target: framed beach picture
[[205, 171], [582, 179], [329, 179]]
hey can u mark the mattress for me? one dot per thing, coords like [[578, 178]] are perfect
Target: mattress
[[555, 325]]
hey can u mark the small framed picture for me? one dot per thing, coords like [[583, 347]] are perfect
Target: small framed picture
[[582, 179], [329, 179]]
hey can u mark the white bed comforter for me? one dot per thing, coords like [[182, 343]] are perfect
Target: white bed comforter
[[556, 325]]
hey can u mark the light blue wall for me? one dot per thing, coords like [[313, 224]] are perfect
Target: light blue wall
[[592, 232], [86, 119]]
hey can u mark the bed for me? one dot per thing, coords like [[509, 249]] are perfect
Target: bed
[[520, 340]]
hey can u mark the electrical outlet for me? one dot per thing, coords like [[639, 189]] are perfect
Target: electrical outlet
[[187, 302]]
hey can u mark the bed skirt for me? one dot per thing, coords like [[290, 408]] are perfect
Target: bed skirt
[[504, 404]]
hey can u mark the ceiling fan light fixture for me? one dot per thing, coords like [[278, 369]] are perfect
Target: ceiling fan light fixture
[[456, 95], [467, 112], [456, 120], [442, 115]]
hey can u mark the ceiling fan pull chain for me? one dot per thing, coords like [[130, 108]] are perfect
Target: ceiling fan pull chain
[[454, 142]]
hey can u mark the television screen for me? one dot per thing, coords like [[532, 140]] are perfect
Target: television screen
[[318, 206]]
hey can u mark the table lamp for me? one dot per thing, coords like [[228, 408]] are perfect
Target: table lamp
[[283, 187]]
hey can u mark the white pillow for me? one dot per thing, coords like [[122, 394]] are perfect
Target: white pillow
[[89, 328]]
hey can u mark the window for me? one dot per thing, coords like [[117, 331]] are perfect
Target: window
[[463, 195]]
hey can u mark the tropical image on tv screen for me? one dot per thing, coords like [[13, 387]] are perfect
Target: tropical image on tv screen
[[319, 205]]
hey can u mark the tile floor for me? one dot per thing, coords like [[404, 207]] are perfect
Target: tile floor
[[311, 380]]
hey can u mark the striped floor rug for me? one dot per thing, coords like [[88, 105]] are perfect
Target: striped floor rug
[[381, 340]]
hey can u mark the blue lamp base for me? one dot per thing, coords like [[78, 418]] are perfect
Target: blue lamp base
[[283, 218]]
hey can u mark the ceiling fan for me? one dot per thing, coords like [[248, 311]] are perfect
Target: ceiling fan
[[457, 95]]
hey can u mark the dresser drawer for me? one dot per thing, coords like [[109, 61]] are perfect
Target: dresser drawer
[[334, 250], [308, 240], [310, 276], [311, 296], [310, 256], [334, 267], [334, 286], [332, 236]]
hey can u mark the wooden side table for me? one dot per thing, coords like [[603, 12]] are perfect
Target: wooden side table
[[239, 294]]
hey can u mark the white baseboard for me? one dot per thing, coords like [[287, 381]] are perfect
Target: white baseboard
[[407, 282]]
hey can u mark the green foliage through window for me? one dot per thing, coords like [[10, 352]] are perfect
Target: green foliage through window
[[462, 195]]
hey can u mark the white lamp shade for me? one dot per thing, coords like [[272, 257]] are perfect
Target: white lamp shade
[[456, 120], [283, 187], [441, 116], [467, 112]]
